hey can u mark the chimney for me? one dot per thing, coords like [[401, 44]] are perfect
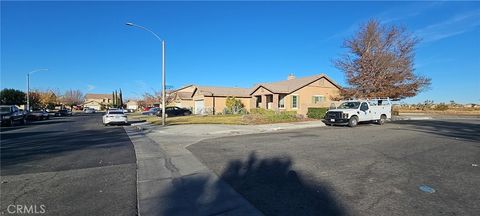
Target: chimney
[[291, 77]]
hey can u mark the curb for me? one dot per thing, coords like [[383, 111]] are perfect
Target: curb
[[412, 118], [158, 173], [140, 123]]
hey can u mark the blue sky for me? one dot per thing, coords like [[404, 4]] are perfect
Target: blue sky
[[87, 46]]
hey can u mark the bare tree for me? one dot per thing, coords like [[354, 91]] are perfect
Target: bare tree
[[73, 97], [379, 63], [156, 97]]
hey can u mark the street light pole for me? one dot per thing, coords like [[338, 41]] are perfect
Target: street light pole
[[163, 66], [163, 83], [28, 87]]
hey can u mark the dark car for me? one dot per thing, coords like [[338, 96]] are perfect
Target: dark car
[[174, 111], [63, 112], [10, 114], [38, 115]]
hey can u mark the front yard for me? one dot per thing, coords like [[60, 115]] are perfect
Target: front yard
[[256, 118]]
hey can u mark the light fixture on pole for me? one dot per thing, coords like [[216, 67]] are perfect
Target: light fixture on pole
[[28, 87], [163, 65]]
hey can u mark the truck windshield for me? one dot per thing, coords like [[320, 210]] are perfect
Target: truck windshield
[[349, 105]]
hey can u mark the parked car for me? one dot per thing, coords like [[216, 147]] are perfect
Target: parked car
[[152, 111], [38, 115], [89, 110], [63, 112], [9, 114], [114, 116], [130, 110], [174, 111], [352, 112]]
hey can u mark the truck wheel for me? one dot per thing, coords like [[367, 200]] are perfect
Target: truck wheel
[[353, 121], [382, 119]]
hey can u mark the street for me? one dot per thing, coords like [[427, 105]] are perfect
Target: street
[[70, 166], [367, 170]]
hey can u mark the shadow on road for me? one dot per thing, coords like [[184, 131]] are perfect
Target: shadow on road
[[50, 144], [11, 128], [462, 130], [269, 184], [52, 120], [19, 135]]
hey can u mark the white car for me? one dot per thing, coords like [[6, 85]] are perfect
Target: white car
[[352, 112], [90, 110], [114, 116]]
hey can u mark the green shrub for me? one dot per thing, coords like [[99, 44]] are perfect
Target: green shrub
[[233, 106], [261, 116], [316, 113]]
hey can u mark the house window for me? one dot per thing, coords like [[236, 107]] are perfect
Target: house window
[[281, 102], [294, 101], [317, 99]]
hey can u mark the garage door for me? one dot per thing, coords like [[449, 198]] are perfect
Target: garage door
[[199, 107]]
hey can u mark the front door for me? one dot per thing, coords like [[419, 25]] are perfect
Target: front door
[[364, 112]]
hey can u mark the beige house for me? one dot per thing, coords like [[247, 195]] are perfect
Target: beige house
[[132, 104], [293, 94], [208, 99], [97, 101]]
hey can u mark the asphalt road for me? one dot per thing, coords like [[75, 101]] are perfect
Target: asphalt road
[[70, 165], [367, 170]]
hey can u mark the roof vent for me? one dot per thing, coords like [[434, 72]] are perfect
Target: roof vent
[[291, 77]]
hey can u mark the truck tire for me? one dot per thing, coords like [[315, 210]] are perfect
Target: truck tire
[[382, 119], [353, 121]]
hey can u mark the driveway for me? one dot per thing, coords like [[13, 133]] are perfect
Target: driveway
[[368, 170], [70, 165]]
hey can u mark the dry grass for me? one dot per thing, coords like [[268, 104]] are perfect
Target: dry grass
[[463, 112], [218, 119]]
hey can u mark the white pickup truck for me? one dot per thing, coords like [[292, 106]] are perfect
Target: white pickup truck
[[350, 112]]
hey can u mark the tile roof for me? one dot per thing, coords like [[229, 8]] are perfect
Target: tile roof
[[98, 96], [184, 95], [289, 86], [223, 91]]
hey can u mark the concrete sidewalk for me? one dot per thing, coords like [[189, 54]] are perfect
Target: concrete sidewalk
[[171, 181]]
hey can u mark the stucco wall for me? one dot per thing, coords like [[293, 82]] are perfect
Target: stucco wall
[[261, 91], [220, 103], [320, 87]]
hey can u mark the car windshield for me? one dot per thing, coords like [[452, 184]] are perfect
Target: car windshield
[[349, 105], [4, 109], [116, 112]]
